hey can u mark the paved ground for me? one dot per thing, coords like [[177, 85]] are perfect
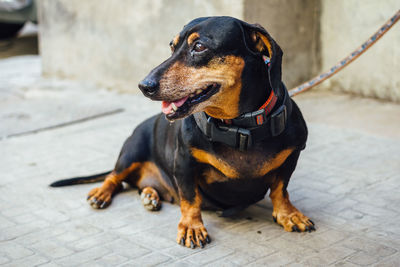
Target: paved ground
[[347, 181]]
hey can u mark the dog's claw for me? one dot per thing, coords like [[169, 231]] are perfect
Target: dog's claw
[[295, 228], [182, 241], [274, 218], [311, 222], [201, 244], [208, 239], [192, 244]]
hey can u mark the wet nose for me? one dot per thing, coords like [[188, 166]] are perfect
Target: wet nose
[[148, 86]]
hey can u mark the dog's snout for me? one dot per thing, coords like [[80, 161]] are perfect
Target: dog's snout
[[149, 86]]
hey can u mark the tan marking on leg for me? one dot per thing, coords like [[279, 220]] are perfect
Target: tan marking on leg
[[193, 37], [191, 230], [100, 197], [285, 213]]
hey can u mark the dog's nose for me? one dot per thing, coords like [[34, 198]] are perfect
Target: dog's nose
[[148, 86]]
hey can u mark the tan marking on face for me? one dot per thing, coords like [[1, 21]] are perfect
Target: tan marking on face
[[193, 37], [283, 210], [274, 162], [221, 165], [175, 41], [180, 81]]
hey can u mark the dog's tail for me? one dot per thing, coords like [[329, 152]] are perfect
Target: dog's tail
[[81, 180]]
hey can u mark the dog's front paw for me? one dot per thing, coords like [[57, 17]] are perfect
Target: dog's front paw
[[99, 198], [192, 235], [294, 221], [150, 199]]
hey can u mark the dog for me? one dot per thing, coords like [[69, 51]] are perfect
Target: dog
[[228, 131]]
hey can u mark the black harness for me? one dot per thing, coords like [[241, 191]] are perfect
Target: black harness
[[246, 130]]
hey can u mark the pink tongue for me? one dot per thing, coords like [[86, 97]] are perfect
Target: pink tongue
[[166, 107]]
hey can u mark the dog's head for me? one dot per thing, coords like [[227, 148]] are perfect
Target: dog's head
[[216, 66]]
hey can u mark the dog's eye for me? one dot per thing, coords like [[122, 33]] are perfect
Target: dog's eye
[[171, 45], [199, 47]]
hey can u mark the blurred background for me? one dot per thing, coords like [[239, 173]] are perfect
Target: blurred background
[[115, 43]]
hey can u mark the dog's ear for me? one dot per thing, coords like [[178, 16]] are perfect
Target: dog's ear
[[259, 42]]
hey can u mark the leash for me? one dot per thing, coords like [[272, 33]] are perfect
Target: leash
[[347, 60]]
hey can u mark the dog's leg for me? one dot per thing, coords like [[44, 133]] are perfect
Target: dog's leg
[[133, 157], [100, 197], [191, 230], [284, 213]]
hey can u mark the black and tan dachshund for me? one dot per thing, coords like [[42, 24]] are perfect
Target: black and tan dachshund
[[229, 132]]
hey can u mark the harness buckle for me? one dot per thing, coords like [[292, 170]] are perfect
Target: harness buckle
[[244, 139], [228, 134]]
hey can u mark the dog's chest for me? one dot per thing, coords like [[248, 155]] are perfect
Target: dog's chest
[[231, 164]]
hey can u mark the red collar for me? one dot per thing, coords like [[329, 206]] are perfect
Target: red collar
[[267, 106], [270, 103]]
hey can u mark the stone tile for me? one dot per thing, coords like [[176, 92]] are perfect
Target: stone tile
[[14, 251], [276, 259], [346, 181], [127, 249], [329, 256], [208, 255], [80, 258], [93, 241], [153, 259], [325, 239], [369, 246], [4, 260], [392, 261], [362, 258], [224, 262], [111, 260], [4, 222], [34, 260], [52, 249], [246, 251]]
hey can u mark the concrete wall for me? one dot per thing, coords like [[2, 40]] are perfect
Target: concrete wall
[[295, 26], [116, 43], [345, 24]]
